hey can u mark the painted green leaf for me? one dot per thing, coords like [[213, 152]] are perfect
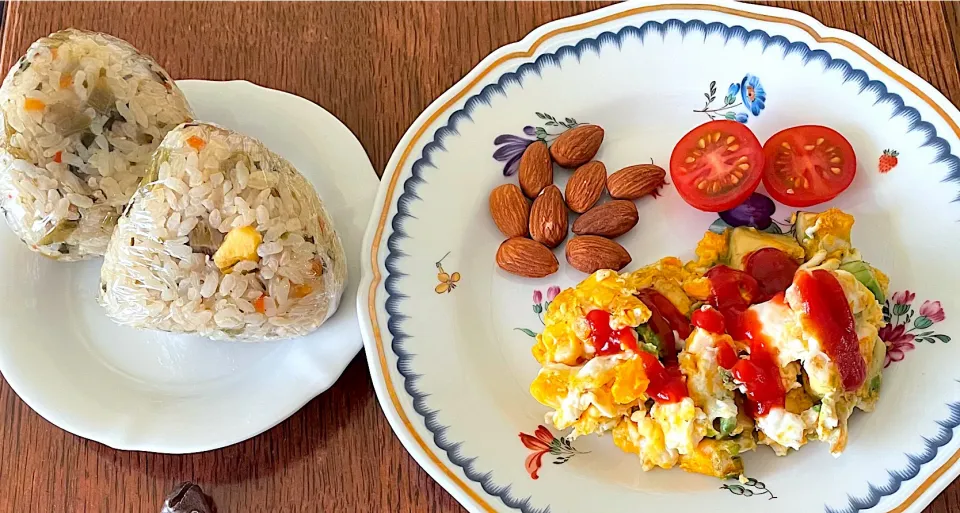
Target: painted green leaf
[[942, 338], [922, 322], [719, 226], [529, 333]]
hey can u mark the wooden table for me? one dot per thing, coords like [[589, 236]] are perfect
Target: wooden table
[[375, 66]]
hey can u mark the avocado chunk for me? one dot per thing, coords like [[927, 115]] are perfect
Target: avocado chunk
[[745, 240], [864, 274]]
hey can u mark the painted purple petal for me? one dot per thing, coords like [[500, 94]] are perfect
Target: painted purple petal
[[507, 138], [756, 211], [508, 151], [512, 166], [529, 130]]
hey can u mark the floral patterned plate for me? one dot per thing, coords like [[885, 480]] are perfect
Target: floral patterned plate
[[448, 335]]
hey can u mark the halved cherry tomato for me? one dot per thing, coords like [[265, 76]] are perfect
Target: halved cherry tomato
[[807, 165], [717, 165]]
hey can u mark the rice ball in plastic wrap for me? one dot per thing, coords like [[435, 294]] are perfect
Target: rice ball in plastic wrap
[[224, 239], [82, 112]]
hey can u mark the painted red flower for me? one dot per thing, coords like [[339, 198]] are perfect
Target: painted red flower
[[932, 310], [540, 445], [537, 296], [898, 342], [904, 297]]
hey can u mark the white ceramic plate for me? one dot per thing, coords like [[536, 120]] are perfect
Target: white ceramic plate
[[452, 370], [151, 391]]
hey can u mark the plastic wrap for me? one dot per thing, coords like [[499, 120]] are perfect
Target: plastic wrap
[[225, 239], [82, 113]]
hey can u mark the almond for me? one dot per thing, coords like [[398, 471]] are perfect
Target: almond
[[510, 210], [548, 218], [527, 258], [577, 146], [536, 169], [635, 181], [611, 219], [590, 253], [585, 186]]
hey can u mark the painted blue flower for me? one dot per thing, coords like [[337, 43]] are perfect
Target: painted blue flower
[[740, 117], [752, 94], [731, 94], [510, 148]]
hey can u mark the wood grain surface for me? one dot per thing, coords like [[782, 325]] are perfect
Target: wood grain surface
[[375, 66]]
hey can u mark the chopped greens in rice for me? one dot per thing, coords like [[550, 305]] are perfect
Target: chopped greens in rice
[[82, 113], [224, 239]]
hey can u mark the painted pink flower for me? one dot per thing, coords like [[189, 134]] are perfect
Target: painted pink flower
[[552, 292], [898, 342], [932, 310], [904, 297], [537, 296], [540, 445]]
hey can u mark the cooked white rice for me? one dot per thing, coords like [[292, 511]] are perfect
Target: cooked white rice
[[205, 185], [82, 112]]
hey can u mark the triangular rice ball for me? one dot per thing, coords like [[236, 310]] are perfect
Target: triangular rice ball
[[224, 239]]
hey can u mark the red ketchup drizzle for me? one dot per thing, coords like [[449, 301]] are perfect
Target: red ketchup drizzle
[[732, 292], [759, 374], [726, 355], [607, 340], [769, 272], [826, 305], [773, 269], [709, 319], [667, 384]]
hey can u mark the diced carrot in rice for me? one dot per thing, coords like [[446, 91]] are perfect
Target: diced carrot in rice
[[33, 104], [66, 80], [196, 142]]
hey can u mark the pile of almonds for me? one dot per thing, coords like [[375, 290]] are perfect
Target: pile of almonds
[[532, 231]]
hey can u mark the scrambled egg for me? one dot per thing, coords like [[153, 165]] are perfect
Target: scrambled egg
[[239, 244], [708, 429]]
